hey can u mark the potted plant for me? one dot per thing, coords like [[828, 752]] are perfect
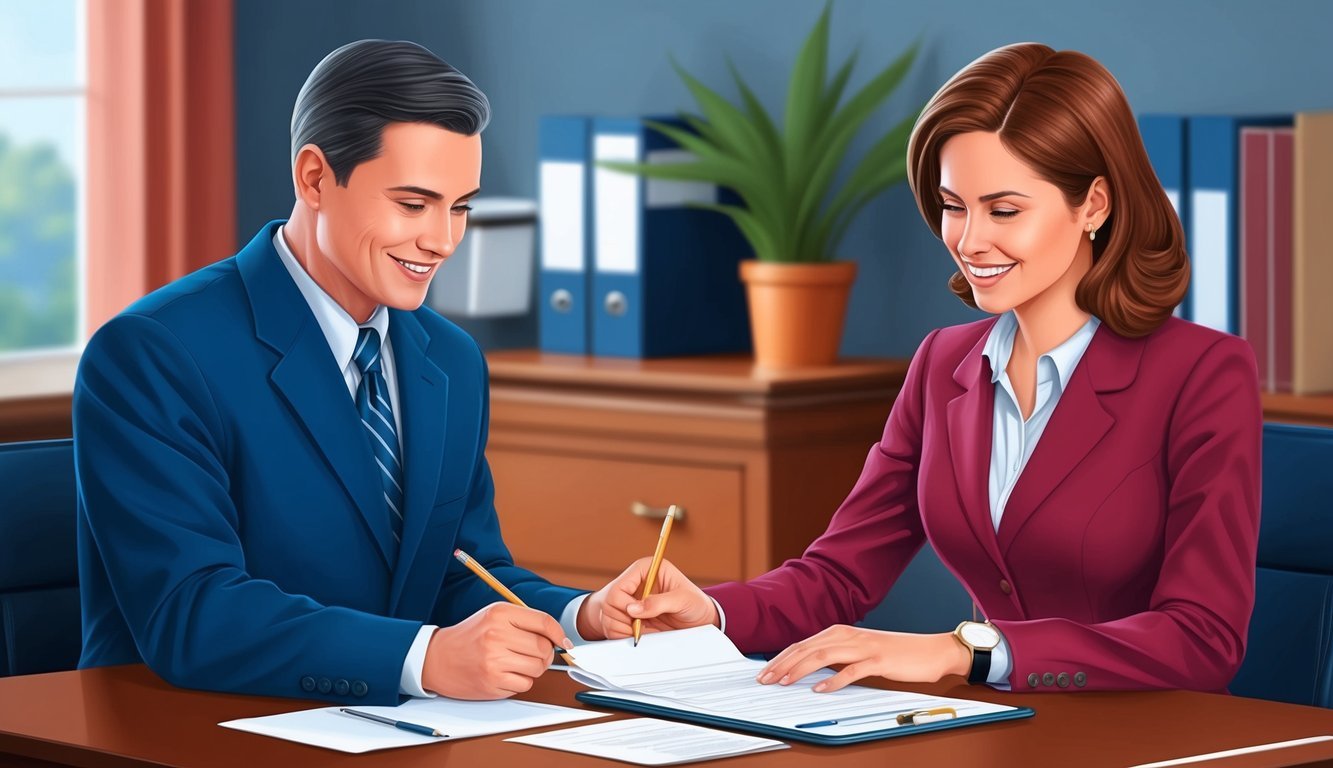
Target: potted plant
[[792, 212]]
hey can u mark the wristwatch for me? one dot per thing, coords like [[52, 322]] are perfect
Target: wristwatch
[[979, 639]]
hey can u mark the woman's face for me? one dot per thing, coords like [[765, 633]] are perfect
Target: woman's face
[[1011, 233]]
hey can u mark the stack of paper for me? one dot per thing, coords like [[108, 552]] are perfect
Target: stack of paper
[[700, 671]]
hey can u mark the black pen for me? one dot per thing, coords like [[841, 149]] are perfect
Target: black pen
[[424, 730]]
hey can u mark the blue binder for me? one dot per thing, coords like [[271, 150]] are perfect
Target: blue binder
[[665, 273], [564, 176], [1214, 210], [1166, 140], [601, 699]]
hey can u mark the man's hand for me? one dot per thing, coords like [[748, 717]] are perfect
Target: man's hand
[[676, 603], [897, 656], [492, 654]]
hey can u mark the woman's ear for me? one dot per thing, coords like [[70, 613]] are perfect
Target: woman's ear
[[1097, 206], [308, 173]]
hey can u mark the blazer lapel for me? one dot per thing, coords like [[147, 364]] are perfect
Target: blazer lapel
[[423, 395], [970, 416], [1079, 423], [308, 378]]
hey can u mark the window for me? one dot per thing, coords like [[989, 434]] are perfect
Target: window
[[42, 171]]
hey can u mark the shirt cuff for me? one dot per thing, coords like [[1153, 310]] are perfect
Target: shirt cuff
[[721, 615], [569, 618], [410, 682], [1001, 664]]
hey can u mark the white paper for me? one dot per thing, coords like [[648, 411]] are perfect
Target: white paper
[[330, 728], [700, 670], [646, 741]]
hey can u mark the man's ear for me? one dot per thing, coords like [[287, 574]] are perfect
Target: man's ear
[[308, 175]]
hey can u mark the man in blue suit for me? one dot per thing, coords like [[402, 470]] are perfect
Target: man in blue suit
[[278, 455]]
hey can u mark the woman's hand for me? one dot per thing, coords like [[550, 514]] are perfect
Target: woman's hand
[[865, 652], [676, 603]]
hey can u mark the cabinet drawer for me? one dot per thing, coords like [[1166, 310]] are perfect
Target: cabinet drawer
[[572, 513]]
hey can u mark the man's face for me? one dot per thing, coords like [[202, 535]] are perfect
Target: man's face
[[384, 235]]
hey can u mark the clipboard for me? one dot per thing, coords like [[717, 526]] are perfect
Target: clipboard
[[611, 701]]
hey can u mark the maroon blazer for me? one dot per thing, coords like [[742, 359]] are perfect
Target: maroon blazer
[[1127, 549]]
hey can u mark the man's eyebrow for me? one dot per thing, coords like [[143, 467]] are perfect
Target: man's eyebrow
[[985, 198], [469, 195], [432, 194]]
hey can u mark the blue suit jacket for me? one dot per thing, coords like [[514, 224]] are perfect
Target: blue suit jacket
[[232, 531]]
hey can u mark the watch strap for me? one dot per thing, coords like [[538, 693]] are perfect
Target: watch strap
[[980, 666]]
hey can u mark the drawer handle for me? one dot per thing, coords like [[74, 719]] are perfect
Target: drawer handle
[[639, 509]]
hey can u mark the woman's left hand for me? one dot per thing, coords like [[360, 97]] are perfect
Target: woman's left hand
[[894, 655]]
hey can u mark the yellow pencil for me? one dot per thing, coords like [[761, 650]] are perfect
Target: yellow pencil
[[494, 583], [652, 569]]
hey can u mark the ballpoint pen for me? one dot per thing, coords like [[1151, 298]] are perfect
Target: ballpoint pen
[[424, 730], [652, 569], [903, 717], [494, 583]]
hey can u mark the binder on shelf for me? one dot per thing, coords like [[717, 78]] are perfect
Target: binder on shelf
[[1214, 210], [665, 272], [1165, 138], [1265, 251], [1312, 268], [564, 175]]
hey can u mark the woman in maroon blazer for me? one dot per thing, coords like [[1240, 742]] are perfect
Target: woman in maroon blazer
[[1085, 464]]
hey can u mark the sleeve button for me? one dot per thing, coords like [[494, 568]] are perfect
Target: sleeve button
[[359, 688], [1062, 679], [308, 684], [1048, 679], [1080, 679], [1033, 680], [341, 687], [325, 685]]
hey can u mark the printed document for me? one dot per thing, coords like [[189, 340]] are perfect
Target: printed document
[[700, 670], [330, 728], [646, 741]]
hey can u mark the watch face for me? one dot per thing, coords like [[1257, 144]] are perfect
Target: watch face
[[982, 636]]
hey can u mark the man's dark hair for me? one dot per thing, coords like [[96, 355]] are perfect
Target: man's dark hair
[[360, 88]]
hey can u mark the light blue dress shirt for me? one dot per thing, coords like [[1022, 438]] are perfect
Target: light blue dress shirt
[[1013, 439], [341, 331]]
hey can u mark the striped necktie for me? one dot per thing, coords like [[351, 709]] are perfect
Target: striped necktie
[[372, 402]]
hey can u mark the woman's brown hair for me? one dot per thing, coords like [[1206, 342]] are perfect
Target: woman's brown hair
[[1064, 115]]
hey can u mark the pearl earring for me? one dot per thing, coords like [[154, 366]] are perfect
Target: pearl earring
[[1092, 233]]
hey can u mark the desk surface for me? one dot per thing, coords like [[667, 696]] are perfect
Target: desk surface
[[126, 716]]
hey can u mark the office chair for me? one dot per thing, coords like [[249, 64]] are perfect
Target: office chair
[[39, 577], [1289, 656]]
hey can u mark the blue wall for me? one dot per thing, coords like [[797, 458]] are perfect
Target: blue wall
[[611, 56]]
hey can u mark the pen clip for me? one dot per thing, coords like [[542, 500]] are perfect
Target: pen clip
[[923, 716]]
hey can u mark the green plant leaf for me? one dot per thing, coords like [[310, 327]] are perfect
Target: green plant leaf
[[805, 95], [883, 164], [755, 233], [731, 127]]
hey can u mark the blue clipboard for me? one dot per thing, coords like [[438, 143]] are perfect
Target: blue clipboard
[[795, 734]]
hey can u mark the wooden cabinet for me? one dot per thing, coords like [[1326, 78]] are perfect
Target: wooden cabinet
[[758, 460]]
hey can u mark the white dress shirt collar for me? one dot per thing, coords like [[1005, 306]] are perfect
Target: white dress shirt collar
[[1000, 346]]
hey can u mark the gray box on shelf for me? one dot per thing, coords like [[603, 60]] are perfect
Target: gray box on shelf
[[490, 274]]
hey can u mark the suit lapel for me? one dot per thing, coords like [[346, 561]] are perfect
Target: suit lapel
[[1079, 423], [308, 379], [970, 416], [423, 395]]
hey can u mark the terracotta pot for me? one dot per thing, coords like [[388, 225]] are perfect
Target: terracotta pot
[[797, 311]]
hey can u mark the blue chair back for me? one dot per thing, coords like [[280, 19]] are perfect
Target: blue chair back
[[39, 575], [1289, 655]]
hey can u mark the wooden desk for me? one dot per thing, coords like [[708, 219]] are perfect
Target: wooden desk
[[126, 716]]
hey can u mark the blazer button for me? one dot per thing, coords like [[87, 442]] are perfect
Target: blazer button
[[341, 687], [1048, 679], [359, 688], [1080, 679], [308, 684], [1062, 679], [325, 685], [1033, 680], [1005, 587]]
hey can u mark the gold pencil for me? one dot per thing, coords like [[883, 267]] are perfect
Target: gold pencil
[[494, 583], [652, 569]]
